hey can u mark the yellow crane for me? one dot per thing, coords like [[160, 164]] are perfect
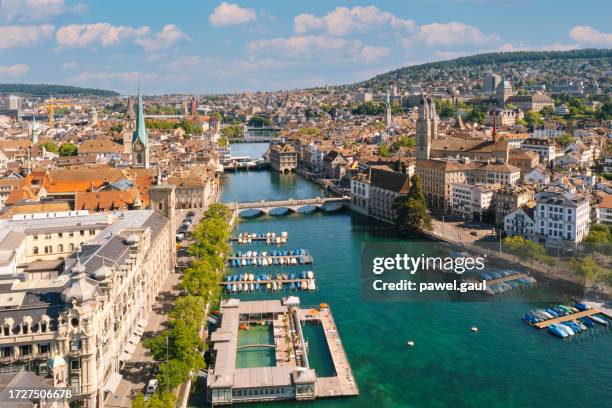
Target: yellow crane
[[52, 103]]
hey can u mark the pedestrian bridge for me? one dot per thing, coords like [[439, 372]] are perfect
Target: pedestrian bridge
[[264, 207]]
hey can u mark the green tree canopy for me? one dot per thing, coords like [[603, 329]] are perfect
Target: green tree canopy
[[68, 149]]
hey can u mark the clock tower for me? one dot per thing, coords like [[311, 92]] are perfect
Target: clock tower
[[140, 138]]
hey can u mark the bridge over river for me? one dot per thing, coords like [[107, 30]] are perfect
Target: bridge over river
[[290, 204]]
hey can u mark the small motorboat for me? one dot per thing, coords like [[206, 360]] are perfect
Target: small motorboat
[[599, 320], [555, 330]]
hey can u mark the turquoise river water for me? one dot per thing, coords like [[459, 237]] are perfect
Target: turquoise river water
[[505, 364]]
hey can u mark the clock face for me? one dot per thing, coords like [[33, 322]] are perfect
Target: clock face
[[129, 125]]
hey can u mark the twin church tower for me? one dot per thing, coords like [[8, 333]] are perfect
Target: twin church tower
[[426, 127]]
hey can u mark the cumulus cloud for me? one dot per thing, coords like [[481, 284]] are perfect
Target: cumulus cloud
[[16, 70], [344, 20], [35, 10], [105, 34], [229, 14], [450, 34], [369, 54], [24, 35], [589, 35], [163, 39]]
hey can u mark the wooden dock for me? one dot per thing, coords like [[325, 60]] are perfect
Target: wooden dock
[[507, 278], [561, 319], [343, 384]]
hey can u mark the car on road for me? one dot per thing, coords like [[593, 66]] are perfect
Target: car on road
[[152, 386]]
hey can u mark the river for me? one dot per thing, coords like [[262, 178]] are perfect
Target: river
[[505, 364]]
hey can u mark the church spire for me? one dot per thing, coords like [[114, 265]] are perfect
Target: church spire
[[140, 133], [34, 130]]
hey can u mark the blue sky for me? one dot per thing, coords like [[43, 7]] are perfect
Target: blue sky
[[200, 46]]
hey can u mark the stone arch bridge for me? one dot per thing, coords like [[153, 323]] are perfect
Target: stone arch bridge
[[292, 205]]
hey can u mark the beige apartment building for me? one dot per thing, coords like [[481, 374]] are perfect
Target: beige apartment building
[[283, 158], [76, 330]]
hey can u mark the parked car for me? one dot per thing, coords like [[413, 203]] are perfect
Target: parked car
[[190, 214], [152, 386]]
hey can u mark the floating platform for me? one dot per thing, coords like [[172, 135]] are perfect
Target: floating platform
[[343, 384], [566, 318]]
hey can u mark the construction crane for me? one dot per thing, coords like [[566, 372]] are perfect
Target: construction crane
[[52, 103]]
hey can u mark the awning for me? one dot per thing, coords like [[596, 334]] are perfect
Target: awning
[[130, 348], [142, 323], [113, 382], [139, 331], [135, 339]]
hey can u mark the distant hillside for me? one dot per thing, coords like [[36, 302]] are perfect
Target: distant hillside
[[422, 71], [55, 90]]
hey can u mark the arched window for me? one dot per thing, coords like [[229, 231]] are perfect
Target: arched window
[[35, 250], [71, 247], [60, 248]]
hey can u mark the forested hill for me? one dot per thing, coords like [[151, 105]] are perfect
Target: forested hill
[[417, 73], [55, 90]]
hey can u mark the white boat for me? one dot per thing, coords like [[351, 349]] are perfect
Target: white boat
[[273, 285], [293, 261], [270, 261], [243, 262], [251, 277], [311, 284], [283, 234], [309, 275], [281, 260], [234, 288], [264, 262], [304, 285]]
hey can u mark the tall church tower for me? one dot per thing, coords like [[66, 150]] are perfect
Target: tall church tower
[[423, 131], [34, 131], [388, 117], [128, 126], [140, 138]]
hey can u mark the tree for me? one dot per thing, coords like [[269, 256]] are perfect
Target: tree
[[564, 140], [117, 127], [233, 132], [411, 212], [445, 108], [383, 150], [587, 268], [259, 121], [404, 141], [532, 118], [547, 111], [49, 146], [526, 250], [68, 149]]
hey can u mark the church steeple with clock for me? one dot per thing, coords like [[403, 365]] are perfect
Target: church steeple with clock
[[140, 138]]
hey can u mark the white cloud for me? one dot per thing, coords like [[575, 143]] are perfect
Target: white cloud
[[69, 65], [343, 21], [184, 62], [229, 14], [369, 54], [450, 34], [300, 46], [105, 34], [589, 35], [22, 35], [35, 10], [16, 70], [163, 39], [81, 35]]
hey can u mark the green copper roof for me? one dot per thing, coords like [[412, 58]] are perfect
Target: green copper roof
[[140, 133]]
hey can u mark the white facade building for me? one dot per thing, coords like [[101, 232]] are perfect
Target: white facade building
[[562, 218]]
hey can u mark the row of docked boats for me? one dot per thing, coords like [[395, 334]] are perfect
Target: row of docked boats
[[274, 252], [249, 282], [520, 281], [270, 238], [569, 327], [264, 258]]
